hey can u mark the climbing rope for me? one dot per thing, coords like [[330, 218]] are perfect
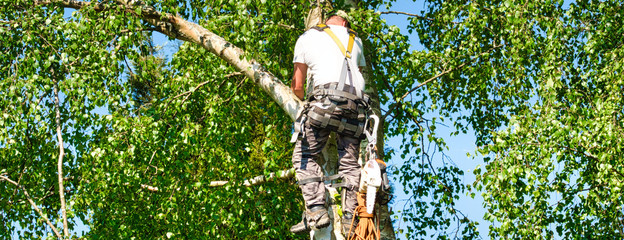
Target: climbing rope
[[366, 228]]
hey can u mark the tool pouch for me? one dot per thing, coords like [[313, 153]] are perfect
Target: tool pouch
[[338, 114]]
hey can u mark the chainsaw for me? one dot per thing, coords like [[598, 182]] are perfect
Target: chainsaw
[[373, 175]]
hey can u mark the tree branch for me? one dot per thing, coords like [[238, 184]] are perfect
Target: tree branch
[[4, 22], [408, 14], [60, 160], [58, 235], [438, 76], [75, 4], [248, 183]]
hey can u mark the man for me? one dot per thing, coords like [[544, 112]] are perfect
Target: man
[[336, 102]]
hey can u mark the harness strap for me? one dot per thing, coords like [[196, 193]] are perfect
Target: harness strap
[[346, 69], [299, 122], [320, 27], [341, 127], [310, 180], [335, 89], [344, 73], [340, 93], [320, 179], [345, 52], [298, 127], [334, 177], [351, 40]]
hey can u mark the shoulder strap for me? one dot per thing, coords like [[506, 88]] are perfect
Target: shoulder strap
[[321, 27], [326, 29]]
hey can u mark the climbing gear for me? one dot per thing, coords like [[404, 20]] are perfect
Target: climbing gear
[[352, 34], [339, 107], [383, 196], [371, 178], [379, 181], [331, 178], [337, 114], [312, 219], [369, 182], [368, 227]]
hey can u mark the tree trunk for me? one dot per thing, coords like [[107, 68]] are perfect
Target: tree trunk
[[387, 230]]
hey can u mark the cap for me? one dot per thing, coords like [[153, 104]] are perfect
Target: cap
[[339, 13]]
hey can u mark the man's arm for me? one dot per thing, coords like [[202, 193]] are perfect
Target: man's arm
[[299, 76]]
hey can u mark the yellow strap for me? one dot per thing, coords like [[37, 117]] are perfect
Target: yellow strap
[[346, 53], [350, 46]]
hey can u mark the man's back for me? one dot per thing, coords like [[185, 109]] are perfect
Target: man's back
[[324, 59]]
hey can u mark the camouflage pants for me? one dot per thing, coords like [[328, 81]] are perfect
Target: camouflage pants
[[308, 150]]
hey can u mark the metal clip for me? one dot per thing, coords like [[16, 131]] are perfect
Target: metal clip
[[371, 136]]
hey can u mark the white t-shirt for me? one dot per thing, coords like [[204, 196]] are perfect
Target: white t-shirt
[[321, 54]]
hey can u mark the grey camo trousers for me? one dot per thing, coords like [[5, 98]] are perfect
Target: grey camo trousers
[[308, 150]]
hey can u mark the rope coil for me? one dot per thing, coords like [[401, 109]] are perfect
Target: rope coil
[[368, 227]]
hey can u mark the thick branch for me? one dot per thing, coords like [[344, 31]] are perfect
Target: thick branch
[[60, 160], [270, 84], [70, 3], [176, 27], [179, 28], [58, 235]]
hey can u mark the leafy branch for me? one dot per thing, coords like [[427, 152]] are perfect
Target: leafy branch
[[447, 71], [5, 178], [408, 14], [286, 174]]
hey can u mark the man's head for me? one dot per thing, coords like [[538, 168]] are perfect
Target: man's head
[[337, 17]]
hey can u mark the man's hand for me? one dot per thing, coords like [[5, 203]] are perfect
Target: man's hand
[[299, 76]]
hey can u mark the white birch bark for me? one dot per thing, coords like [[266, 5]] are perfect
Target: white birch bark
[[60, 161]]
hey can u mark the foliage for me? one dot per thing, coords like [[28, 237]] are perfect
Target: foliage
[[433, 188], [540, 84], [146, 134], [175, 125], [556, 171]]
